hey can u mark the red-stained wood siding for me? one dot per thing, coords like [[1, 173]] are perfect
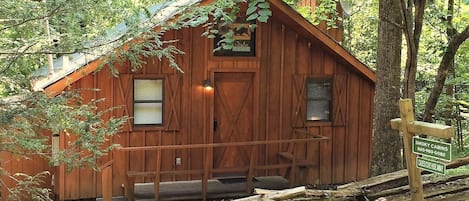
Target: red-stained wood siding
[[14, 164], [285, 58], [291, 59]]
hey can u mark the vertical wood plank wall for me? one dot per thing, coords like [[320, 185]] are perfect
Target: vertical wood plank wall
[[284, 60]]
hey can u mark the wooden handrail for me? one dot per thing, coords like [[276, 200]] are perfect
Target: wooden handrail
[[214, 145], [109, 163], [208, 157]]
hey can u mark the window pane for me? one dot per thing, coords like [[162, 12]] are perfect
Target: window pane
[[319, 89], [148, 113], [317, 110], [148, 90]]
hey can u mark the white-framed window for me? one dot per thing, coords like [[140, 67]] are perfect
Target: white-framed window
[[148, 101], [319, 99]]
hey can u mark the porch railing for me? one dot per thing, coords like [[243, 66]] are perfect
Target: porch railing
[[208, 158]]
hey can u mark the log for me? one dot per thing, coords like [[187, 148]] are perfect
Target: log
[[458, 163], [426, 185], [384, 185], [395, 179], [377, 180], [448, 190], [342, 193], [250, 198], [260, 191], [457, 196], [266, 195], [287, 193]]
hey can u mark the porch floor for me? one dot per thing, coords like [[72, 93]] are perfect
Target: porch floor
[[218, 189]]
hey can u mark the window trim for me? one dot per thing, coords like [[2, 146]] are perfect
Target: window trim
[[148, 101], [330, 98]]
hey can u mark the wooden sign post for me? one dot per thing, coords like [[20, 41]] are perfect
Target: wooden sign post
[[409, 128]]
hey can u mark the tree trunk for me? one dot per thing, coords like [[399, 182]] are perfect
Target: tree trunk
[[447, 62], [412, 31], [443, 72], [386, 142]]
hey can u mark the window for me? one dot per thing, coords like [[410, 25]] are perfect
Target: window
[[243, 41], [148, 102], [319, 100]]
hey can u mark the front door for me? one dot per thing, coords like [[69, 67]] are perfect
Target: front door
[[234, 114]]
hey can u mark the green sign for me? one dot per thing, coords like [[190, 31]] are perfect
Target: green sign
[[430, 165], [431, 148]]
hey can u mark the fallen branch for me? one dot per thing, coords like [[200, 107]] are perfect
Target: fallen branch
[[394, 179], [267, 195], [426, 185], [390, 185]]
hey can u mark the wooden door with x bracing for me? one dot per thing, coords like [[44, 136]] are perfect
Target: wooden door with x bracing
[[234, 113]]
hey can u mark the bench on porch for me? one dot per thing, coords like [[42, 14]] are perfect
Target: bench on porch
[[207, 170]]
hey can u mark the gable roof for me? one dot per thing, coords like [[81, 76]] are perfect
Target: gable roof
[[70, 68], [76, 66]]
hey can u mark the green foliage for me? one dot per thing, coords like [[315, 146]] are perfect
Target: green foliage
[[23, 42], [26, 118], [360, 26], [450, 108], [29, 187], [291, 3], [361, 32], [258, 10], [23, 117], [325, 11]]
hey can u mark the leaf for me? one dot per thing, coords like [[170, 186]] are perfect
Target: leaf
[[229, 40], [252, 17], [264, 5], [263, 18], [202, 19], [217, 49], [463, 103], [228, 46], [253, 3], [265, 12], [251, 10]]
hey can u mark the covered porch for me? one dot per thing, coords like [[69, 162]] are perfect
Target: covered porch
[[221, 182], [217, 189]]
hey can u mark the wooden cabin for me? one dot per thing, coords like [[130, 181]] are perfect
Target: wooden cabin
[[287, 100]]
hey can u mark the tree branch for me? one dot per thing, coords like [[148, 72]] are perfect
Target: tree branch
[[419, 11], [52, 12], [450, 30], [17, 53], [442, 73]]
